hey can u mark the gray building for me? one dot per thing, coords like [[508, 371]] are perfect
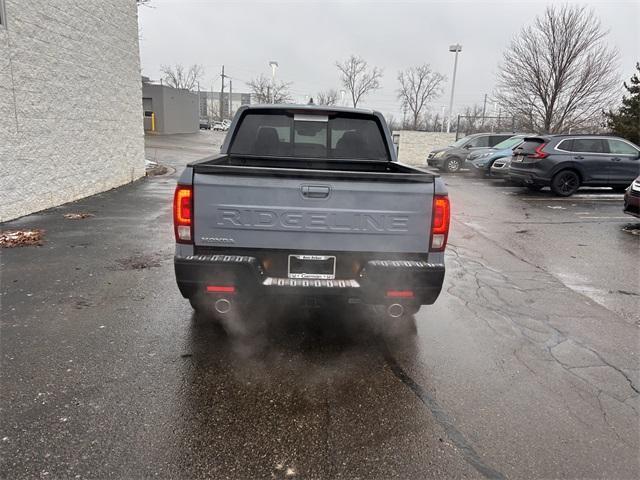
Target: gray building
[[174, 110], [69, 101], [210, 104]]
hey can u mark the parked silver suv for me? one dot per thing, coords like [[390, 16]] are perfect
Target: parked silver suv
[[453, 157]]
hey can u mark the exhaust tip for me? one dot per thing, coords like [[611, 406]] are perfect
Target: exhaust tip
[[396, 310], [222, 305]]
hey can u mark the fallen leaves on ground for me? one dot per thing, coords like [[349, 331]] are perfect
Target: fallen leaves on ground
[[20, 238]]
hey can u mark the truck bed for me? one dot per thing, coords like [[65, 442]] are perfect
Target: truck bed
[[312, 168]]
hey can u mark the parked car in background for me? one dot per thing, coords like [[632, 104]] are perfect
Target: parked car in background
[[500, 168], [632, 198], [567, 162], [481, 162], [205, 124], [220, 126], [453, 157]]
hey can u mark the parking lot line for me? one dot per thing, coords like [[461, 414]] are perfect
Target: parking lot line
[[574, 199], [607, 218]]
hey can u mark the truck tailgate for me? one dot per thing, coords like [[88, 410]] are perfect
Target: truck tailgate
[[250, 211]]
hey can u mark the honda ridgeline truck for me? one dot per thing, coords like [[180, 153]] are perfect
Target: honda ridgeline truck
[[311, 202]]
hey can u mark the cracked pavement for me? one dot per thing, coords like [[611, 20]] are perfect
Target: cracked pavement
[[526, 367]]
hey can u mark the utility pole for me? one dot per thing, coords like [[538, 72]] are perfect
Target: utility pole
[[457, 48], [484, 109], [222, 94]]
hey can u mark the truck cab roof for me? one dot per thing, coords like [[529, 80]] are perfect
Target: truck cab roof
[[310, 108], [309, 132]]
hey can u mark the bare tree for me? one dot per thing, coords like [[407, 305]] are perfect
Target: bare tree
[[558, 73], [418, 86], [470, 118], [357, 78], [435, 127], [177, 77], [261, 89], [393, 123], [327, 97]]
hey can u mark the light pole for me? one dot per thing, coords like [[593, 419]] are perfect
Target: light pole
[[457, 48], [273, 66], [199, 103]]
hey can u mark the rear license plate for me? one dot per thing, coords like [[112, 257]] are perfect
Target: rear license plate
[[312, 266], [518, 158]]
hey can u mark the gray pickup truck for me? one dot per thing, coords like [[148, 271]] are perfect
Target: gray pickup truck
[[309, 202]]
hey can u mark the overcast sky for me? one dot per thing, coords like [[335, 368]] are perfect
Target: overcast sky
[[307, 37]]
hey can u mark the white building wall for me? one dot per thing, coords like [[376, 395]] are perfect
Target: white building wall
[[414, 147], [70, 102]]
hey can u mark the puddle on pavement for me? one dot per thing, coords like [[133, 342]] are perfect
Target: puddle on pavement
[[78, 216]]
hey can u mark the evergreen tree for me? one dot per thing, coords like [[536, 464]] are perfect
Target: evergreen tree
[[626, 121]]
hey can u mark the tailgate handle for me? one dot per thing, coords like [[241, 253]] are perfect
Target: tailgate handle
[[315, 191]]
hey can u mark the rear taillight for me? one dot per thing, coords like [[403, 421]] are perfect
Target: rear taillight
[[440, 223], [183, 214], [538, 153]]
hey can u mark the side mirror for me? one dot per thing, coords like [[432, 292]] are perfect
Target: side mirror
[[467, 146], [396, 138]]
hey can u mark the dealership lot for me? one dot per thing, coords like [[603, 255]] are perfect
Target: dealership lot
[[526, 366]]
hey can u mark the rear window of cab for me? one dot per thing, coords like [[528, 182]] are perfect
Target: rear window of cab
[[287, 134]]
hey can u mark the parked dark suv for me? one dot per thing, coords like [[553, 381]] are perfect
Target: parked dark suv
[[632, 199], [453, 157], [567, 162]]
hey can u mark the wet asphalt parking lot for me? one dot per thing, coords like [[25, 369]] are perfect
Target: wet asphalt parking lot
[[526, 367]]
